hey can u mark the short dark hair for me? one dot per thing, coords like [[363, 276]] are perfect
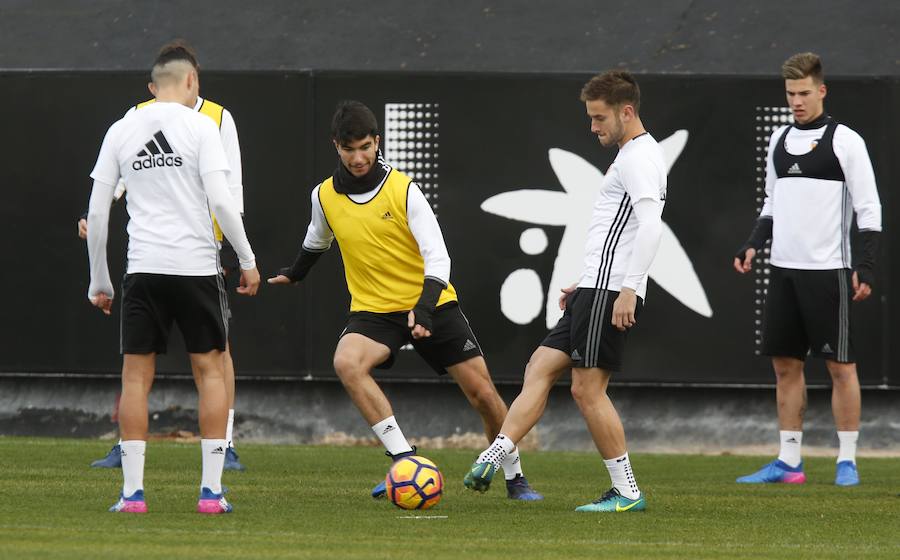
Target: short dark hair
[[615, 87], [802, 65], [352, 121], [177, 49]]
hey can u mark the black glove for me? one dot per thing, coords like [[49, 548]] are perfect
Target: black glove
[[302, 265], [761, 233], [424, 309], [864, 256]]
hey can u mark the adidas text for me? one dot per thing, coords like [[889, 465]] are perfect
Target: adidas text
[[150, 162]]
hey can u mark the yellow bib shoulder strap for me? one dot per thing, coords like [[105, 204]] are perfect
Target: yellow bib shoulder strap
[[212, 110], [209, 108]]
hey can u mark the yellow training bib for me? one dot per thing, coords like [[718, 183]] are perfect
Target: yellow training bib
[[382, 263]]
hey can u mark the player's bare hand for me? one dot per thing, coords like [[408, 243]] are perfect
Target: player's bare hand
[[861, 290], [565, 295], [744, 266], [418, 331], [623, 309], [279, 279], [82, 228], [102, 302], [249, 282]]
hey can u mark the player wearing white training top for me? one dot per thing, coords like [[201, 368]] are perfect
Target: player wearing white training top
[[398, 274], [818, 174], [603, 306], [173, 162], [180, 50]]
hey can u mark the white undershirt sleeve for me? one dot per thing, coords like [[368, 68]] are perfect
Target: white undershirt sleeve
[[318, 235], [850, 149], [768, 208], [233, 153], [223, 206], [98, 217], [427, 232], [646, 241]]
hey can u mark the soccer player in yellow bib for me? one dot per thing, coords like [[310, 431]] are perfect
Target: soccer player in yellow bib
[[180, 50], [398, 273]]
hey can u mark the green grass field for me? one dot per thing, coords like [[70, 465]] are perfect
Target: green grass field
[[312, 502]]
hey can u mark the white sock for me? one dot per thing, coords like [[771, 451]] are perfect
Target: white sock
[[848, 446], [622, 476], [791, 443], [133, 466], [229, 429], [391, 436], [120, 441], [213, 452], [497, 452], [512, 466]]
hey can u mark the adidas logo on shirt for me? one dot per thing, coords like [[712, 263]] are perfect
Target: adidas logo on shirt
[[156, 154], [794, 169], [469, 345], [387, 216]]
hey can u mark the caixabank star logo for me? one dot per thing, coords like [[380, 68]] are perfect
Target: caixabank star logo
[[523, 294]]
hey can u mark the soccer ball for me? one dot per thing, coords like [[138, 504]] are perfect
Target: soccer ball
[[414, 483]]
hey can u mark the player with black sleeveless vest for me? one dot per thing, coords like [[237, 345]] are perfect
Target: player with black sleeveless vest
[[818, 173], [600, 309], [174, 166], [224, 121], [398, 273]]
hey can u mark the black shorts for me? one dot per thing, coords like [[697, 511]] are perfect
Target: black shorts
[[808, 312], [451, 342], [152, 302], [585, 331]]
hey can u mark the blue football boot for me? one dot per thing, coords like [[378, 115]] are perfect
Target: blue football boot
[[846, 474], [231, 461], [380, 489], [519, 489], [776, 472], [113, 459]]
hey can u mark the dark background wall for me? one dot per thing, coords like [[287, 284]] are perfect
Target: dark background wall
[[494, 135], [660, 36], [46, 158]]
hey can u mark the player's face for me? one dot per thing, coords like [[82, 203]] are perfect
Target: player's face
[[358, 156], [606, 122], [806, 99]]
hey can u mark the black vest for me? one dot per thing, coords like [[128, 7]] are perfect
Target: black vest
[[818, 163]]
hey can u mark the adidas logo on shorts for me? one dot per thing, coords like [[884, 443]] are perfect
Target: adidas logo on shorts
[[469, 345], [576, 355]]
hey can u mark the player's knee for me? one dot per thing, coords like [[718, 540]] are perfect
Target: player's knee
[[347, 365], [537, 370], [484, 397], [581, 392], [787, 370], [842, 373]]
